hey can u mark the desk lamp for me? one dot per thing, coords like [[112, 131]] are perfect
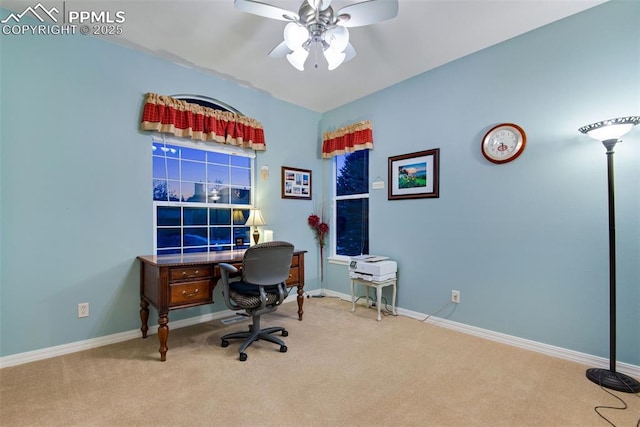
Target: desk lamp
[[609, 133], [255, 219]]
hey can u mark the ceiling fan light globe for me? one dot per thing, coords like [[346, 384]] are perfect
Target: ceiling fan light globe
[[338, 38], [295, 35], [297, 58], [322, 4], [334, 58]]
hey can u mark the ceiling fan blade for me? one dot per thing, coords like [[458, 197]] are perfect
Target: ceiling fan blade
[[265, 10], [280, 51], [369, 12]]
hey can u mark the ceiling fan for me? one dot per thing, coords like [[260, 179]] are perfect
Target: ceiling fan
[[316, 25]]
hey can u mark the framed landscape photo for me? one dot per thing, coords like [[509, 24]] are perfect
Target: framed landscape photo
[[414, 175], [296, 183]]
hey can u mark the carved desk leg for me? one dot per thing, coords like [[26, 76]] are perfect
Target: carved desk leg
[[163, 335], [300, 301], [144, 317]]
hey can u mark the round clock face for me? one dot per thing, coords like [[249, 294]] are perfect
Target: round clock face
[[503, 143]]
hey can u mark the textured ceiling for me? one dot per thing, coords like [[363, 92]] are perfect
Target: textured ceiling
[[214, 37]]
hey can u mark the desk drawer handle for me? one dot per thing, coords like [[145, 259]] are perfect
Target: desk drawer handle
[[184, 273], [192, 294]]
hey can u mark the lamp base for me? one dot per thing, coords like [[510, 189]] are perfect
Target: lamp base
[[256, 235], [613, 380]]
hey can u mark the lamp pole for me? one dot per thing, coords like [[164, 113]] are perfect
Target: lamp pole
[[611, 130]]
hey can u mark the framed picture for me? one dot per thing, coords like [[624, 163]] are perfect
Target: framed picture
[[414, 175], [296, 183]]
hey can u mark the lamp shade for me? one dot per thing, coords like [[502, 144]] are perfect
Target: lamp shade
[[611, 129], [255, 218]]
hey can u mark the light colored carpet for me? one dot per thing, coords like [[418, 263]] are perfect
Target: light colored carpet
[[342, 368]]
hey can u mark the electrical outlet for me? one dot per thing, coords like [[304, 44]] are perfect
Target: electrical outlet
[[455, 296], [83, 309]]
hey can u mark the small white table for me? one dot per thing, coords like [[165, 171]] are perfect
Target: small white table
[[378, 286]]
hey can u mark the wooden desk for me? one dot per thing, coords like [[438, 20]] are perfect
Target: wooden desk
[[172, 282]]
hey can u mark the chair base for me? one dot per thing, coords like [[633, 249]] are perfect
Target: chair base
[[255, 334]]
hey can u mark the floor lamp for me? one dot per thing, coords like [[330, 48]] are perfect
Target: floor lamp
[[609, 133]]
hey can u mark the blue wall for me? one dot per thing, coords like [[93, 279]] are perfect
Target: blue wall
[[76, 182], [524, 242]]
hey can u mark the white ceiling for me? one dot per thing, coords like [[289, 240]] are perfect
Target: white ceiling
[[213, 36]]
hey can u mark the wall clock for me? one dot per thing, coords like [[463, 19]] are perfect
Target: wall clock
[[503, 143]]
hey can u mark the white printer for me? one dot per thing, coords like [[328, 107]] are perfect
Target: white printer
[[372, 268]]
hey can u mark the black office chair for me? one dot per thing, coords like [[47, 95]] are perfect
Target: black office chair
[[261, 289]]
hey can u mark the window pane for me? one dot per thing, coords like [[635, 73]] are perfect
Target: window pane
[[168, 237], [241, 161], [223, 195], [195, 236], [240, 196], [220, 235], [193, 154], [218, 174], [193, 171], [352, 227], [168, 251], [220, 158], [195, 249], [168, 216], [159, 171], [241, 232], [195, 216], [160, 190], [240, 216], [174, 191], [241, 177], [193, 192], [353, 173], [219, 216]]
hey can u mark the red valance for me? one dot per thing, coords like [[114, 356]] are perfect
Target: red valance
[[180, 118], [355, 137]]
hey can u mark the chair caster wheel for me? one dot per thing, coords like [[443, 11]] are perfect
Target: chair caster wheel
[[243, 357], [283, 349], [285, 333], [224, 343]]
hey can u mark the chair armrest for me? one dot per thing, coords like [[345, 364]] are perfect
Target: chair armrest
[[228, 271]]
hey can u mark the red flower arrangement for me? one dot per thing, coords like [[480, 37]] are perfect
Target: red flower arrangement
[[321, 229]]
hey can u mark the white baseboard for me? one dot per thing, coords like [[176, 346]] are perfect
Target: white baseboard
[[59, 350], [563, 353], [550, 350]]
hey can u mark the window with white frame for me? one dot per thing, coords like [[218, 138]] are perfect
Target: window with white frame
[[351, 203], [202, 194]]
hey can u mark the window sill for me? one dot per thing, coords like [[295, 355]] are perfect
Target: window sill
[[339, 259]]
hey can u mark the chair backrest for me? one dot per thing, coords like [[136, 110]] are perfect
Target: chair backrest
[[267, 263]]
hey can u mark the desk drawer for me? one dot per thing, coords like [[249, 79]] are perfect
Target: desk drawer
[[294, 277], [189, 273], [189, 292]]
